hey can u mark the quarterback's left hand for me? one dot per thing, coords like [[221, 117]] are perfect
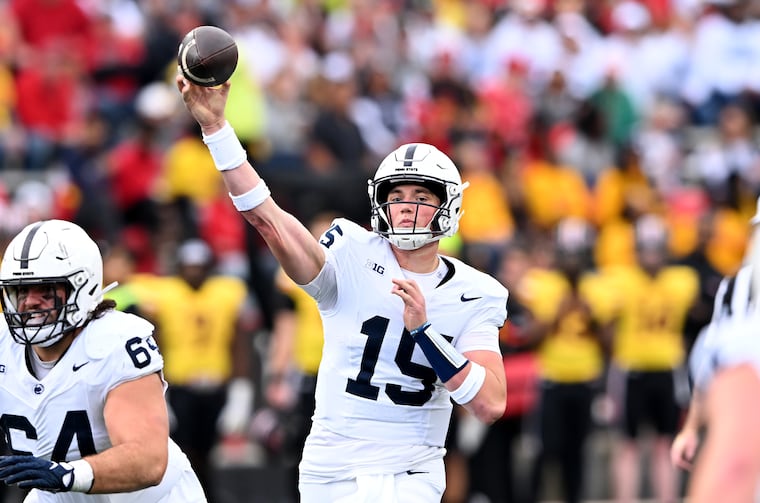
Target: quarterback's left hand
[[29, 472]]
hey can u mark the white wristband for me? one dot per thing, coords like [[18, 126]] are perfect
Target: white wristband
[[83, 476], [471, 384], [252, 198], [225, 148]]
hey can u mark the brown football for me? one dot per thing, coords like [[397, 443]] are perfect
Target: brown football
[[207, 56]]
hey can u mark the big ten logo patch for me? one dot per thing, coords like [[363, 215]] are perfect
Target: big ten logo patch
[[375, 267]]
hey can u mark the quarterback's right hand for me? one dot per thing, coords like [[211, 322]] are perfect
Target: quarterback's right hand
[[205, 104]]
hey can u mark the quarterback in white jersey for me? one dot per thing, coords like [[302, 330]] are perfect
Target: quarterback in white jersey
[[81, 386], [406, 330], [376, 391]]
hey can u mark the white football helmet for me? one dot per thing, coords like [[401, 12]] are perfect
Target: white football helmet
[[46, 253], [419, 164]]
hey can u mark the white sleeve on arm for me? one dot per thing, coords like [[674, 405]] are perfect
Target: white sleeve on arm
[[126, 342], [482, 331], [324, 288], [482, 339]]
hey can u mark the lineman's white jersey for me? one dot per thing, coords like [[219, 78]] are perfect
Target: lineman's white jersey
[[60, 416], [380, 407], [731, 337]]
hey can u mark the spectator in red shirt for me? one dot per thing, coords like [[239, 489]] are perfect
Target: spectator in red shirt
[[43, 21], [112, 61], [48, 95], [134, 166], [507, 106]]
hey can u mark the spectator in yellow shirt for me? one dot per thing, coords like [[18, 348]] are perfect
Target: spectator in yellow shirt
[[486, 225]]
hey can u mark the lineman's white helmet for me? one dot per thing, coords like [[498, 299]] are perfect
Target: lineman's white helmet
[[47, 253]]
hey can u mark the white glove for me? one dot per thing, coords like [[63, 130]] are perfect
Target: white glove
[[470, 433], [236, 414]]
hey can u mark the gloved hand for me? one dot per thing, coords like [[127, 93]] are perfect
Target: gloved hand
[[235, 417], [29, 472]]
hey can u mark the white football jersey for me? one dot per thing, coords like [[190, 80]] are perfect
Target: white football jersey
[[731, 336], [376, 390], [60, 417]]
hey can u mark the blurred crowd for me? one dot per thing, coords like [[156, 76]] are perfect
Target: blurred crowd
[[601, 109], [606, 111]]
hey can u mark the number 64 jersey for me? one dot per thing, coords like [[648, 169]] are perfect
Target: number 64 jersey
[[380, 407], [60, 417]]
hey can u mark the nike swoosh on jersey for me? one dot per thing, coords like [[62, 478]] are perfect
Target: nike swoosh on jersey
[[468, 299], [412, 472], [77, 367]]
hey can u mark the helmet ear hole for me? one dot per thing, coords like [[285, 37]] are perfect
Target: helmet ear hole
[[443, 222]]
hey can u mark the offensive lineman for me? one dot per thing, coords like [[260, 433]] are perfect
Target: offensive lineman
[[406, 329], [81, 386]]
